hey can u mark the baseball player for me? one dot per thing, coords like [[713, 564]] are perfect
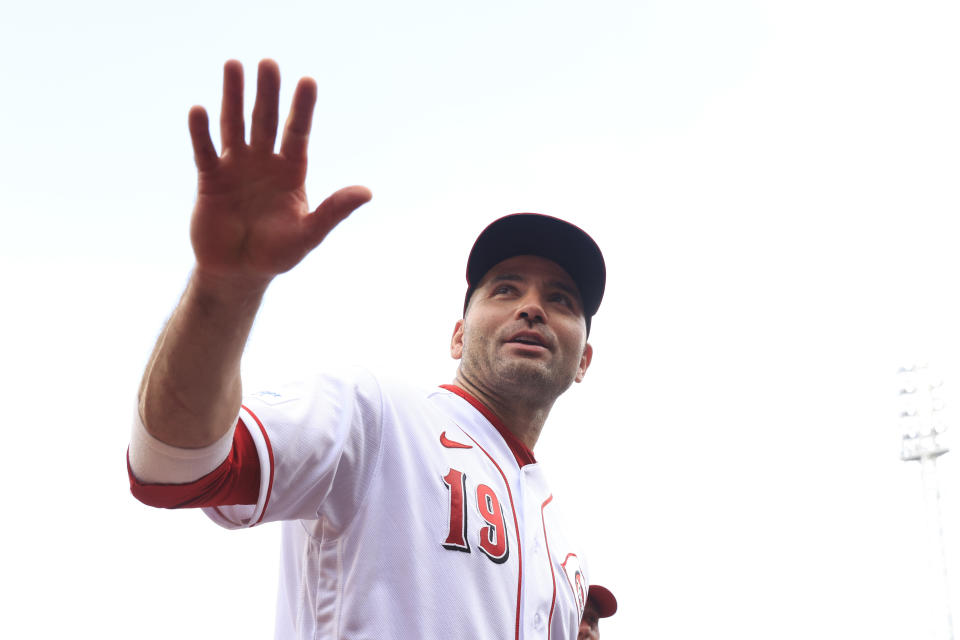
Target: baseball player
[[407, 512], [600, 604]]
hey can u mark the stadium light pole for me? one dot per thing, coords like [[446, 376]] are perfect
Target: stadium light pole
[[922, 427]]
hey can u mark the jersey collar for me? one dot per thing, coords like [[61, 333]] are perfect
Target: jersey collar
[[521, 452]]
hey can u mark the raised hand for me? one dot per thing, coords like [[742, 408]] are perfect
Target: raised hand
[[251, 220]]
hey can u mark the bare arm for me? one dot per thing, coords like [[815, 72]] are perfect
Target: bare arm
[[250, 223]]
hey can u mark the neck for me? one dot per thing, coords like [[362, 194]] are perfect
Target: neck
[[519, 413]]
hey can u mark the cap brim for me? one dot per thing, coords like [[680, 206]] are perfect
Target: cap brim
[[548, 237], [603, 600]]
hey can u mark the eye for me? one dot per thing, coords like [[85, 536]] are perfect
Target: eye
[[504, 289], [562, 298]]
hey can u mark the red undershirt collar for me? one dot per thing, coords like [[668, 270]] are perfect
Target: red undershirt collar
[[521, 452]]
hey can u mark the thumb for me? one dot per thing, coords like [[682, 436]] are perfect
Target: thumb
[[334, 209]]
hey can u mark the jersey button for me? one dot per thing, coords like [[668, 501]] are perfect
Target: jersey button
[[538, 621]]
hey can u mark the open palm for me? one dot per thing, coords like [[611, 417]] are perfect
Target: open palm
[[251, 219]]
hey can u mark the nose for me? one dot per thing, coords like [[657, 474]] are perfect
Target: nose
[[531, 310]]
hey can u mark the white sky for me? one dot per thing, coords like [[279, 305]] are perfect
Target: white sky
[[774, 186]]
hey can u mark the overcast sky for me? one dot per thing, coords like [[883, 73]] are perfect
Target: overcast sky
[[774, 187]]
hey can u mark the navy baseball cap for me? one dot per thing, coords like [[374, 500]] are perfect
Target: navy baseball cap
[[536, 234]]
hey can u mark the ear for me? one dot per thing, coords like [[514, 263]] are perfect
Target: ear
[[456, 342], [584, 362]]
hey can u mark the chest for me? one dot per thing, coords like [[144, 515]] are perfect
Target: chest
[[481, 516]]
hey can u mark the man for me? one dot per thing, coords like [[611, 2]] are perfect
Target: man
[[407, 513], [600, 604]]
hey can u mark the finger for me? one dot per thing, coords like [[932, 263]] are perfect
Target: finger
[[204, 153], [263, 128], [296, 132], [335, 209], [231, 109]]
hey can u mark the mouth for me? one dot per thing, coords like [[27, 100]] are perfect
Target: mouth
[[529, 339]]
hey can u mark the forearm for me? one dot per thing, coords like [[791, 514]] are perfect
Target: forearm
[[191, 389]]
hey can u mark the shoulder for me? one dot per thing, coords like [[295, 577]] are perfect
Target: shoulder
[[401, 392], [320, 387]]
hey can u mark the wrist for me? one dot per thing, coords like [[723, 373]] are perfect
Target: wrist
[[225, 288]]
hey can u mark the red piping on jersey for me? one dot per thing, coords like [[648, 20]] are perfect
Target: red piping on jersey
[[520, 451], [266, 439], [553, 576], [516, 525]]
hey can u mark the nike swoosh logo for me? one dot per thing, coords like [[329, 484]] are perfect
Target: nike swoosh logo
[[452, 444]]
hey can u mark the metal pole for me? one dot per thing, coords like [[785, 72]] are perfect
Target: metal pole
[[936, 546]]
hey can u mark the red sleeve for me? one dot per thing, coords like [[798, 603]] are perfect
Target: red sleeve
[[235, 481]]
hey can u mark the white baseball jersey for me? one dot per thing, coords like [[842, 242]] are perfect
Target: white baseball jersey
[[406, 514]]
